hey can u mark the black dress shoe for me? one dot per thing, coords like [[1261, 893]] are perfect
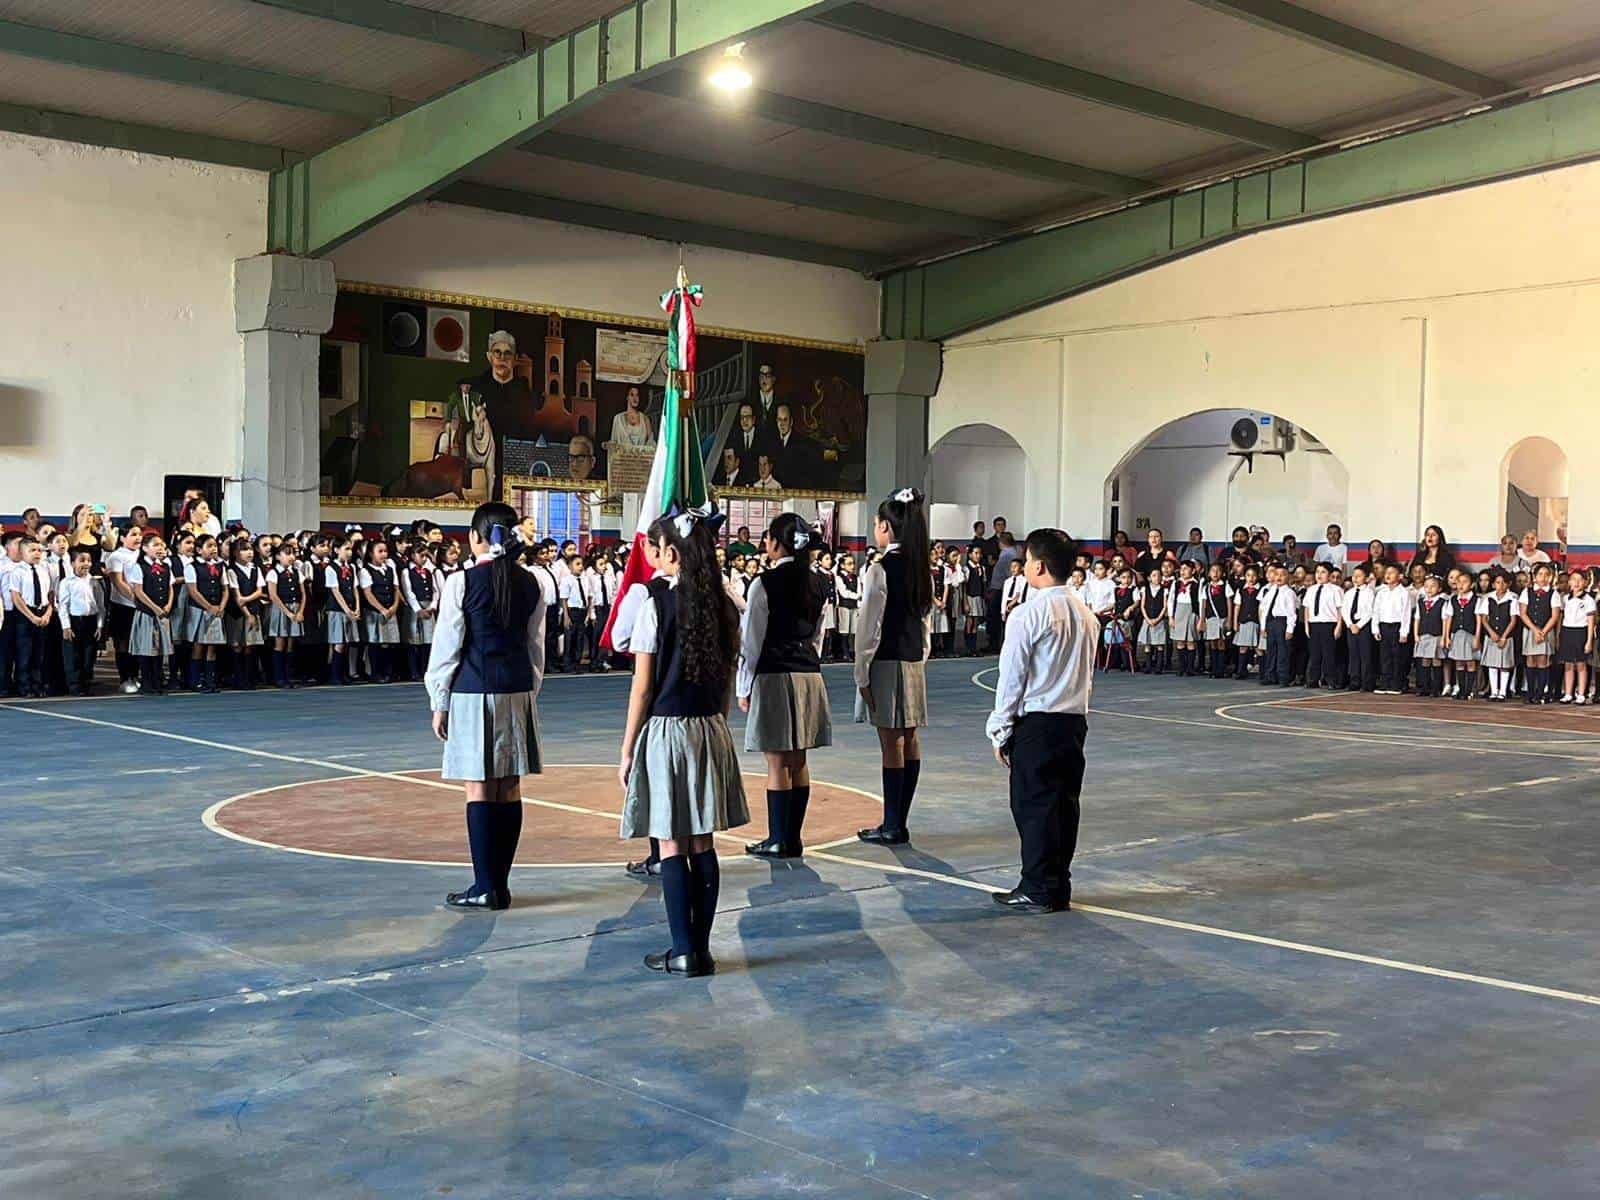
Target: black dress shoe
[[771, 848], [691, 964], [879, 836], [1019, 901], [490, 901], [649, 868]]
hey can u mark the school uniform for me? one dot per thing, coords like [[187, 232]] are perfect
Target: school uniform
[[32, 584], [54, 670], [1322, 606], [577, 607], [1152, 613], [1280, 608], [780, 663], [1183, 610], [78, 608], [1500, 615], [891, 648], [1392, 613], [341, 579], [1538, 604], [830, 599], [381, 629], [279, 623], [1360, 648], [244, 633], [151, 635], [314, 579], [119, 608], [1216, 599], [183, 613], [210, 579], [1015, 594], [1040, 722], [600, 592], [1463, 614], [1248, 635], [1576, 613], [487, 676], [420, 588], [685, 780], [974, 602], [846, 587]]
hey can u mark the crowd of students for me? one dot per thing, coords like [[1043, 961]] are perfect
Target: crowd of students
[[1521, 626]]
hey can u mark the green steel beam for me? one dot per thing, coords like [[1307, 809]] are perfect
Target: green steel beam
[[31, 41], [875, 131], [145, 139], [667, 229], [891, 29], [764, 187], [1358, 43], [968, 291], [315, 205], [419, 24]]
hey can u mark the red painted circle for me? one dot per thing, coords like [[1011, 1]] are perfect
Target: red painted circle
[[413, 819], [448, 334]]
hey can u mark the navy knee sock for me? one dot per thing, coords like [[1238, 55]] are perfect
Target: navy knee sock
[[508, 832], [655, 851], [894, 791], [913, 773], [675, 896], [777, 815], [705, 883], [481, 840], [799, 798]]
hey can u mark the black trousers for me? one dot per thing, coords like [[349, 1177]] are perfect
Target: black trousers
[[30, 641], [597, 629], [552, 637], [79, 654], [1321, 655], [1362, 653], [997, 626], [1046, 779], [8, 651], [577, 635], [55, 666], [1390, 664], [1275, 666]]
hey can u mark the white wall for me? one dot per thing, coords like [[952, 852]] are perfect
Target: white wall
[[448, 248], [1420, 341], [119, 363], [978, 467], [1180, 478]]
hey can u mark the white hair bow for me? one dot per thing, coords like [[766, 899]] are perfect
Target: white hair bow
[[802, 534], [905, 495], [497, 541], [685, 519]]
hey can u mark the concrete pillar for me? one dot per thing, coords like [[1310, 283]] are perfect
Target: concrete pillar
[[282, 306], [900, 376]]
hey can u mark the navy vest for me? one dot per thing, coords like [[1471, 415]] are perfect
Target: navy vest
[[346, 575], [676, 694], [1539, 608], [245, 581], [383, 585], [494, 658], [1249, 605], [289, 587], [1217, 600], [792, 617], [902, 629], [1431, 617], [1498, 618], [421, 586], [208, 581], [157, 582], [1461, 612]]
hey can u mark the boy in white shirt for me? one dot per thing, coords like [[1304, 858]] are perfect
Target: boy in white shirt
[[1361, 649], [1393, 610], [79, 610], [1324, 625]]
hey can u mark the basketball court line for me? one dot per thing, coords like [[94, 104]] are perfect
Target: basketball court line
[[1423, 969]]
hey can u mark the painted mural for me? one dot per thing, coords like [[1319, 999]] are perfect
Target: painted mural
[[446, 399]]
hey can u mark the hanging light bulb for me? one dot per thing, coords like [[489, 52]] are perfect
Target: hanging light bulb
[[731, 74]]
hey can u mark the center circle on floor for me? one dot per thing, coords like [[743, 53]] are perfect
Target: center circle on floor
[[570, 817]]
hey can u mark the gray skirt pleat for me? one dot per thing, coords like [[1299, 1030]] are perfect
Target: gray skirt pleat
[[1153, 633], [242, 632], [181, 619], [1532, 645], [788, 711], [207, 630], [1499, 658], [380, 630], [1184, 624], [417, 630], [1461, 647], [976, 606], [1248, 635], [847, 621], [899, 696], [151, 636], [493, 735], [685, 780], [1216, 629], [1429, 645], [281, 625], [342, 630]]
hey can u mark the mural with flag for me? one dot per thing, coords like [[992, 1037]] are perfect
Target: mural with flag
[[677, 473]]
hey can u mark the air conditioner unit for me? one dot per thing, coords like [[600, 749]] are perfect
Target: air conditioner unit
[[1245, 434]]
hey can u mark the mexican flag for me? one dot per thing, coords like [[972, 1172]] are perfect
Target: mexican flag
[[677, 474]]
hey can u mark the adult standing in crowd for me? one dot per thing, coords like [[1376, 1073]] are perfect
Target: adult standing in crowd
[[1434, 553], [998, 574], [1528, 554], [1507, 560], [1333, 551], [1194, 550], [1150, 557], [1238, 546], [978, 538]]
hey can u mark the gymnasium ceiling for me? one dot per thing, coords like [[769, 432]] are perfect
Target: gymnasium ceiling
[[875, 134]]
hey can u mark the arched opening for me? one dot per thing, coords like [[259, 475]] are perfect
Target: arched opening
[[975, 473], [1226, 467], [1534, 483]]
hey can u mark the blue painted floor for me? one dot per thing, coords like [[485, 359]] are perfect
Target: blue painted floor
[[182, 1015]]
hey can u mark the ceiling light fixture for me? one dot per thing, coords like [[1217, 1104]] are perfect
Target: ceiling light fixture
[[731, 74]]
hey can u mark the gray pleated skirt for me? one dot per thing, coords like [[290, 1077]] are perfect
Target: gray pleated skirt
[[242, 632], [1248, 635], [1153, 633], [281, 625], [1536, 645], [1184, 624], [976, 606], [492, 735], [381, 630], [847, 620], [1461, 647], [1499, 658], [1429, 645], [181, 619], [207, 630], [1216, 629], [788, 711], [342, 630], [417, 630], [899, 696], [685, 780], [151, 636]]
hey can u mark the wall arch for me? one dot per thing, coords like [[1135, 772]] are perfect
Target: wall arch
[[1535, 483], [976, 472]]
